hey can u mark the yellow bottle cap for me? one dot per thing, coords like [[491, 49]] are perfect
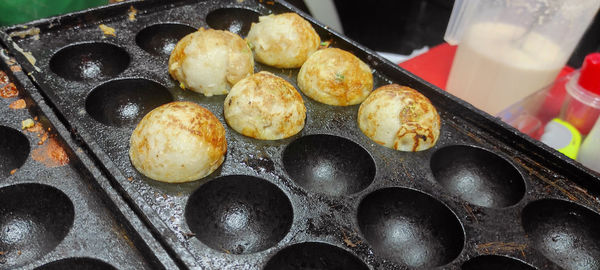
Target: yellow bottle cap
[[563, 137]]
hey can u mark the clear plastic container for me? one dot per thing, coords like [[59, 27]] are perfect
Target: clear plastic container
[[531, 114], [589, 154], [582, 106], [508, 50]]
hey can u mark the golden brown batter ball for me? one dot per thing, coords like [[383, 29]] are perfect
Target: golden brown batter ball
[[178, 142], [210, 61], [400, 118], [335, 77], [284, 41], [265, 107]]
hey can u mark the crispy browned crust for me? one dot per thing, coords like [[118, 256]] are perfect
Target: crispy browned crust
[[419, 122], [335, 77], [272, 93]]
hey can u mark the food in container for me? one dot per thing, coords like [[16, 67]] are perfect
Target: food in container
[[400, 118], [178, 142], [210, 61], [335, 77], [265, 107], [284, 40]]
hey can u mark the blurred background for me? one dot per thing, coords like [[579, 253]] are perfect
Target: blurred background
[[404, 28]]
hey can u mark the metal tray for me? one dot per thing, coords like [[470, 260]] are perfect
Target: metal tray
[[485, 196], [57, 210]]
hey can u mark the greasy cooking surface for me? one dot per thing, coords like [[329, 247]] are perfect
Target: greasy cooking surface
[[34, 218], [77, 263], [338, 204], [89, 61], [56, 208], [239, 214], [235, 20], [495, 262], [410, 227], [330, 164], [125, 102], [477, 176], [14, 149], [160, 39], [314, 256], [564, 232]]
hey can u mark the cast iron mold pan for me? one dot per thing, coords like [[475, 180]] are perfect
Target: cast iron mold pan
[[57, 210], [485, 196], [160, 39]]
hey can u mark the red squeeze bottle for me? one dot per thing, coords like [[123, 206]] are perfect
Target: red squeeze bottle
[[583, 107]]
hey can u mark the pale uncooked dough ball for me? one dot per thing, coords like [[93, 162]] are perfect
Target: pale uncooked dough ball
[[400, 118], [284, 41], [210, 61], [266, 107], [178, 142], [335, 77]]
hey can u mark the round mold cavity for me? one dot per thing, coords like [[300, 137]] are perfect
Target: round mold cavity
[[478, 176], [314, 256], [495, 262], [410, 227], [160, 39], [89, 61], [239, 214], [34, 219], [329, 164], [124, 102], [564, 232], [235, 20], [77, 263], [14, 150]]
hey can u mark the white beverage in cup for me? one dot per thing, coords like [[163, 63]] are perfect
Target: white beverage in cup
[[498, 64]]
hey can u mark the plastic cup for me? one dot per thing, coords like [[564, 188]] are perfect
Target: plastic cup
[[508, 50]]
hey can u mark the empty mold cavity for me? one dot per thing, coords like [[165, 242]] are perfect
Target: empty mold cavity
[[564, 232], [160, 39], [314, 256], [34, 219], [77, 263], [14, 150], [329, 164], [239, 214], [126, 101], [478, 176], [89, 61], [235, 20], [494, 262], [410, 227]]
